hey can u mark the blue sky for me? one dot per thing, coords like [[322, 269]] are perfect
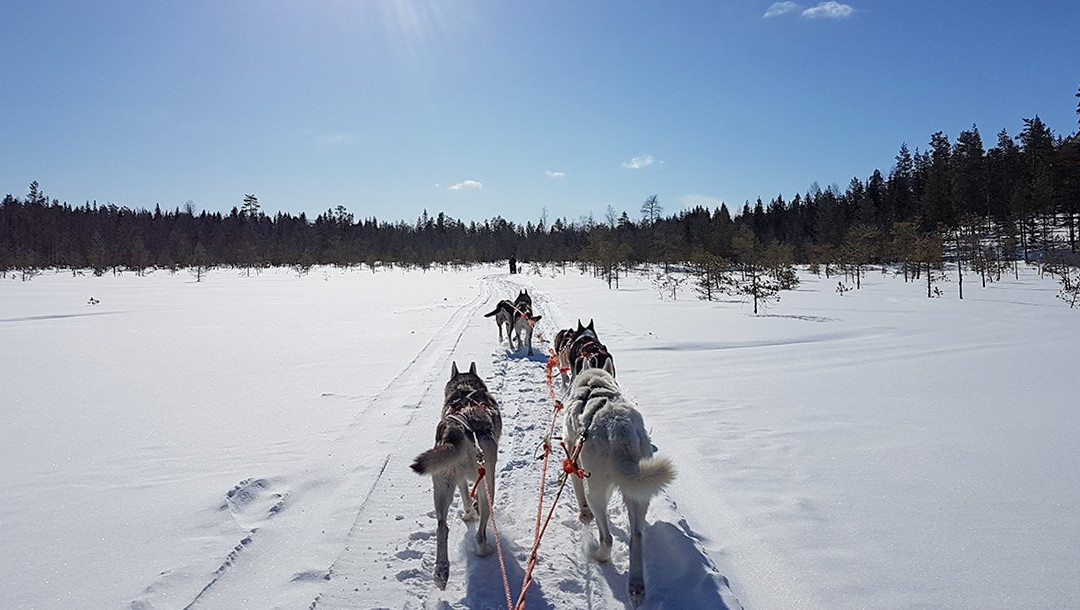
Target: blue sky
[[506, 107]]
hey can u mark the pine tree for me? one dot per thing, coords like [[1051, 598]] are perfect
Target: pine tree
[[937, 198], [969, 175]]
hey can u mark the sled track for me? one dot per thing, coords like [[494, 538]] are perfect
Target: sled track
[[385, 552], [419, 382]]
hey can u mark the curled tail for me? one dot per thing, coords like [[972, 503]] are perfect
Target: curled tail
[[443, 456], [651, 475]]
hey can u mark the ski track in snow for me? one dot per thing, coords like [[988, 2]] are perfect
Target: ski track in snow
[[391, 503]]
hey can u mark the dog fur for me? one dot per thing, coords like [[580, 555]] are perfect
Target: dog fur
[[616, 452], [561, 347], [471, 422], [504, 316], [524, 320], [586, 351]]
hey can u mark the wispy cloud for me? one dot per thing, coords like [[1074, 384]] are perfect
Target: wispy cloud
[[554, 174], [828, 10], [780, 8], [466, 185], [638, 162], [333, 138]]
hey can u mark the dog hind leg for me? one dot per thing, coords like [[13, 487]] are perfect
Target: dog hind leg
[[484, 549], [585, 515], [444, 495], [636, 510], [597, 494], [468, 505]]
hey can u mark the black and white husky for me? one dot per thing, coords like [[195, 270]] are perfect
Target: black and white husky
[[467, 434], [504, 317], [524, 320], [616, 452], [517, 316], [585, 351]]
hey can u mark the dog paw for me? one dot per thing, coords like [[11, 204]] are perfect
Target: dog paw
[[602, 554], [483, 549], [585, 515], [637, 592], [442, 574], [471, 514]]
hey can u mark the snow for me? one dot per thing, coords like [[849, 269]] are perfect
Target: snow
[[245, 441]]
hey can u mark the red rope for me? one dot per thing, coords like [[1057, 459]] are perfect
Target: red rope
[[541, 528], [495, 528], [480, 472]]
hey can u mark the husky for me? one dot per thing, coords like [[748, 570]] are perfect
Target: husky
[[467, 435], [585, 351], [504, 316], [561, 348], [524, 320], [616, 451]]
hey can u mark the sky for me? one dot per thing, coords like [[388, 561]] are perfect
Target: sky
[[515, 108]]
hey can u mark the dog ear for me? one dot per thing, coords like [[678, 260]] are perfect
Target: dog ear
[[472, 368], [590, 326], [579, 326], [453, 370], [609, 366]]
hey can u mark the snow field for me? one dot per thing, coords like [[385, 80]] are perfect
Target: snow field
[[245, 441]]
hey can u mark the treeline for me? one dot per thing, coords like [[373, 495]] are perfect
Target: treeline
[[1018, 199]]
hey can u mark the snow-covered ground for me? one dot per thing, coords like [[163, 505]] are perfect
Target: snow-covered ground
[[245, 441]]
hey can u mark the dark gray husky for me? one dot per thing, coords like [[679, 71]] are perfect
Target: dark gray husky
[[467, 434]]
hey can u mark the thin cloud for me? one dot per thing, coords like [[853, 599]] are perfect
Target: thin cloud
[[828, 10], [639, 162], [467, 185], [554, 174], [335, 138], [780, 8]]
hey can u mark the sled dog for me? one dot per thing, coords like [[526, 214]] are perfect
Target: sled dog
[[616, 452], [524, 320], [561, 347], [467, 434], [504, 316], [586, 352]]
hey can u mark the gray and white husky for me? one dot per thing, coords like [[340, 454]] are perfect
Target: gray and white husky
[[616, 452], [467, 434]]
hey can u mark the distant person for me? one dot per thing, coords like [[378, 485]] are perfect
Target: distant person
[[513, 265]]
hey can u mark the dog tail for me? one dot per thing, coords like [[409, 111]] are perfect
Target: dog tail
[[443, 456], [652, 474], [493, 312]]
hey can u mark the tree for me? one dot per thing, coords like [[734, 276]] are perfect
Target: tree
[[930, 253], [969, 175], [858, 250], [753, 281], [937, 197], [901, 183], [1036, 192], [198, 262], [1004, 173], [651, 210], [709, 272], [250, 209]]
